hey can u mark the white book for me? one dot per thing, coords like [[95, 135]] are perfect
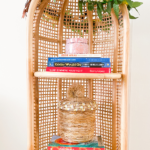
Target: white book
[[79, 55]]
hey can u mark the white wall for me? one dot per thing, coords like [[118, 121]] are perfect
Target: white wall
[[139, 102], [13, 88]]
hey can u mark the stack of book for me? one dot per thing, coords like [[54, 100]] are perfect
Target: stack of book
[[57, 143], [79, 63]]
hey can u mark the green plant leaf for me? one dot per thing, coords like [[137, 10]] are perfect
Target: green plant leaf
[[84, 3], [129, 2], [90, 6], [100, 5], [115, 1], [120, 1], [129, 8], [137, 11], [109, 8], [132, 17], [80, 5], [136, 4], [94, 2], [99, 11], [116, 9]]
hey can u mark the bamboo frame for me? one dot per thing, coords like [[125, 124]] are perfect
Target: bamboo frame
[[30, 70], [114, 75], [114, 117], [30, 145], [125, 80], [90, 21]]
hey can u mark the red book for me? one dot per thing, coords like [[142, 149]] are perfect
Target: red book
[[73, 148], [78, 70]]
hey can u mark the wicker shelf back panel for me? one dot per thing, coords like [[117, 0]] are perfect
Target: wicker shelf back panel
[[46, 42]]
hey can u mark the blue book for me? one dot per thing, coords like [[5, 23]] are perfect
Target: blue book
[[79, 64], [77, 59]]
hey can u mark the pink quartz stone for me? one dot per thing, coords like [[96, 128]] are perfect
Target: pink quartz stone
[[77, 46]]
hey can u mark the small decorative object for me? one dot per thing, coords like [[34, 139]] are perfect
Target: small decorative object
[[77, 46], [76, 120]]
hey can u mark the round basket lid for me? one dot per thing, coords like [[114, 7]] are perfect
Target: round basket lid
[[77, 104], [76, 101]]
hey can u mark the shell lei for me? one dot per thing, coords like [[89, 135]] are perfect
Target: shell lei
[[76, 106]]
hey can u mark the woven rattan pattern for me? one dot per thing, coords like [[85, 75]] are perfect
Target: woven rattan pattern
[[119, 81], [102, 88], [45, 107]]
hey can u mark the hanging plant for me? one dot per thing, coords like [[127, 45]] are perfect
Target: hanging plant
[[71, 22], [105, 6], [102, 6]]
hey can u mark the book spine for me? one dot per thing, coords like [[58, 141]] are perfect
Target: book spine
[[79, 64], [73, 148], [78, 70], [79, 55], [76, 59]]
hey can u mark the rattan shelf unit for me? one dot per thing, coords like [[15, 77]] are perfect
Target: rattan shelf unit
[[49, 25]]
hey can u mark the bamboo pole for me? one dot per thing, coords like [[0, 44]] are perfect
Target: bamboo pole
[[90, 22], [30, 145], [33, 5], [114, 103], [125, 78]]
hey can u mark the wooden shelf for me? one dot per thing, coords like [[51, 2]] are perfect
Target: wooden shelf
[[78, 75]]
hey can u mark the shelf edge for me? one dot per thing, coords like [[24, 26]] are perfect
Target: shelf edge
[[78, 75]]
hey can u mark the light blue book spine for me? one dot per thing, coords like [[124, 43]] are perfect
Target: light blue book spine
[[77, 59]]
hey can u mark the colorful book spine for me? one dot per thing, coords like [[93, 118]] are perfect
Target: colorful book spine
[[73, 148], [79, 55], [79, 64], [77, 59], [78, 69]]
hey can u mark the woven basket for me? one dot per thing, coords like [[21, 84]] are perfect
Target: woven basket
[[76, 117]]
